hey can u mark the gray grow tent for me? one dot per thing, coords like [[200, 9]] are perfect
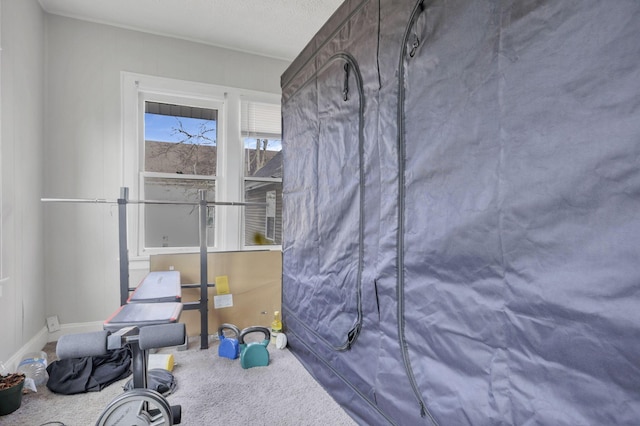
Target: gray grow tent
[[461, 214]]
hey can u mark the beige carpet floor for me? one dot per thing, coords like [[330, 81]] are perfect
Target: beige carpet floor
[[211, 390]]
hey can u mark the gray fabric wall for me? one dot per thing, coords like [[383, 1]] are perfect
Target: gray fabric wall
[[461, 197]]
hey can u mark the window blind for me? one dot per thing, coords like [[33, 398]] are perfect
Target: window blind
[[261, 120]]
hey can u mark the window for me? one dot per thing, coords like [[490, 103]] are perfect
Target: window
[[262, 173], [180, 138], [180, 158]]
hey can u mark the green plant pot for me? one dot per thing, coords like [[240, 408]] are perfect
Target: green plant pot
[[11, 398]]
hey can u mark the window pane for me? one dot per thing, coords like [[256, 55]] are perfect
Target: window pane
[[262, 157], [263, 224], [180, 139], [170, 225]]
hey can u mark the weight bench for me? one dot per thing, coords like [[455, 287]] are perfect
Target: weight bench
[[138, 405], [158, 286], [156, 301], [143, 315]]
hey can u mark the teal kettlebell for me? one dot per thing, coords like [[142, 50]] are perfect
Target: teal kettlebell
[[254, 354], [229, 347]]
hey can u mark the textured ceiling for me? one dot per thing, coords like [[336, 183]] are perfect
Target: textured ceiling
[[274, 28]]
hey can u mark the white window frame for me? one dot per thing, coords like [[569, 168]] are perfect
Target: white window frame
[[229, 220], [247, 127], [209, 103]]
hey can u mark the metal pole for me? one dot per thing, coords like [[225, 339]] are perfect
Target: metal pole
[[204, 275], [124, 251], [177, 203], [78, 200]]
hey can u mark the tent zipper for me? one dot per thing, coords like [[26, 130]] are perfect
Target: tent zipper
[[417, 10], [349, 64]]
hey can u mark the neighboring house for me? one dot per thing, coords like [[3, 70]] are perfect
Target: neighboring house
[[201, 160], [182, 158], [265, 220]]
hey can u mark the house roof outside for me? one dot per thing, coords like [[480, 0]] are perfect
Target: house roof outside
[[192, 159]]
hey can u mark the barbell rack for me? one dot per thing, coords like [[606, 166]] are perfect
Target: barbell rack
[[203, 203]]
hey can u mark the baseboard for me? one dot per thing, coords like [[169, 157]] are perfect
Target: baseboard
[[43, 337], [74, 328], [36, 344]]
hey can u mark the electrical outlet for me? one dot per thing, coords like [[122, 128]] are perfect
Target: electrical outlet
[[53, 324]]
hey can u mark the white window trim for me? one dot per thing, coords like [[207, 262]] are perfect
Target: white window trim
[[210, 103], [135, 89], [262, 179]]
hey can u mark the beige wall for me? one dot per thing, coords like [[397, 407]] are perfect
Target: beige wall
[[22, 282], [61, 132], [83, 103]]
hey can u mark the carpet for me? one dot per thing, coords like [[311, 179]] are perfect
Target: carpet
[[211, 391]]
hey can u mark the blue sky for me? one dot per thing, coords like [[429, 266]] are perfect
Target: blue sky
[[162, 128]]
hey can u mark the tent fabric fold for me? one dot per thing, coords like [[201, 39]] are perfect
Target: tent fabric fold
[[470, 211]]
